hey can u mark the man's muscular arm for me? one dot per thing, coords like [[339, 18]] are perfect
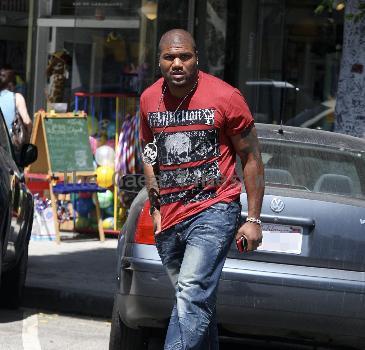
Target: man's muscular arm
[[247, 147], [150, 173]]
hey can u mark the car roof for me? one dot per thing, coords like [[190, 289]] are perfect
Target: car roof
[[310, 136]]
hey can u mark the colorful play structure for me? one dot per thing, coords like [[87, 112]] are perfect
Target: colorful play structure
[[112, 123]]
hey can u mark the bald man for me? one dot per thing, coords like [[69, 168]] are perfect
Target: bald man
[[192, 127]]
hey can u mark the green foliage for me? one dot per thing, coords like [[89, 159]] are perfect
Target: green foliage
[[324, 5], [328, 5]]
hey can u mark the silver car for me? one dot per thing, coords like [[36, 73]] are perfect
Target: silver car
[[305, 283]]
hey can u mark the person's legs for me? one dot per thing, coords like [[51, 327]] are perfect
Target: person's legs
[[207, 236], [211, 339], [174, 340], [171, 251]]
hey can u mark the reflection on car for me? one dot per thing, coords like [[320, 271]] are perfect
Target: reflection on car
[[320, 117], [281, 102], [306, 282], [16, 218]]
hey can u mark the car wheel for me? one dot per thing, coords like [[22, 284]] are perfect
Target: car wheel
[[12, 283], [123, 337]]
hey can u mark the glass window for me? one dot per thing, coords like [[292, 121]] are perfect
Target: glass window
[[103, 60], [101, 47], [289, 61], [211, 33], [96, 8], [313, 168], [14, 45]]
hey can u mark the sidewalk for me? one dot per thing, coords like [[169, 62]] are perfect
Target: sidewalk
[[76, 276]]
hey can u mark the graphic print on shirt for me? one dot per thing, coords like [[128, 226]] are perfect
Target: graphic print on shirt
[[183, 117], [179, 146], [187, 146], [188, 196], [205, 174]]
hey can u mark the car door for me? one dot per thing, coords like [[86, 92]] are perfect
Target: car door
[[13, 198]]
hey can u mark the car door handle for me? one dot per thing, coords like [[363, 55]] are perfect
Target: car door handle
[[285, 220]]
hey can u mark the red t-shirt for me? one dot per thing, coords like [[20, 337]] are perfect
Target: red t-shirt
[[196, 156]]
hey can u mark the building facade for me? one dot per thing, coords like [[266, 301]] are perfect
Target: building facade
[[283, 57]]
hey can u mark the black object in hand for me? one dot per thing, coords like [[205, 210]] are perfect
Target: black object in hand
[[242, 244]]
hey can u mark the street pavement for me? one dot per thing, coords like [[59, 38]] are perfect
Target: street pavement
[[29, 329], [75, 276]]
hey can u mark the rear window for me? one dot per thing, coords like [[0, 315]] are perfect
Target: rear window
[[314, 168]]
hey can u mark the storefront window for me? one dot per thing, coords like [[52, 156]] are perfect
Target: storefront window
[[283, 57], [106, 60], [101, 46], [290, 62], [211, 33], [14, 46], [98, 56], [96, 8]]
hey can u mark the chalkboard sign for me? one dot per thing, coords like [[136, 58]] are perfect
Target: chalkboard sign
[[68, 144]]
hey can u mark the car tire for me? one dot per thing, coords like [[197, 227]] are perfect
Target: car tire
[[123, 337], [12, 283]]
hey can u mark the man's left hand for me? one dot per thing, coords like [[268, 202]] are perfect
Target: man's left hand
[[253, 234]]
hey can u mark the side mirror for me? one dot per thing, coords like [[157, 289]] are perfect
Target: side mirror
[[28, 155]]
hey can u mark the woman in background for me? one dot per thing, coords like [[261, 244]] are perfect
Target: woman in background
[[9, 100]]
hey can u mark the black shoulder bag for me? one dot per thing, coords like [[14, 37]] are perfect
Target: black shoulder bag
[[18, 132]]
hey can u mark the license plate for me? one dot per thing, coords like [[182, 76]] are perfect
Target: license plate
[[281, 238]]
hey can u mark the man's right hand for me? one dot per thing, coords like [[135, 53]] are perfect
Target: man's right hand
[[156, 219]]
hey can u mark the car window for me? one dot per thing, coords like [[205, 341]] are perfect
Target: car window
[[314, 168], [4, 139]]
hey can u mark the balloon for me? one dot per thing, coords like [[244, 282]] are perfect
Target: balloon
[[108, 223], [104, 155], [92, 125], [84, 206], [105, 199], [104, 176]]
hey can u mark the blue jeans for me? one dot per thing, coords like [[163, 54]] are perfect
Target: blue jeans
[[193, 253]]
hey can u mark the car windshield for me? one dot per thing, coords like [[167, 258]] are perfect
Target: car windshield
[[314, 168]]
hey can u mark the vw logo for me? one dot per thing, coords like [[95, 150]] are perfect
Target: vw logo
[[277, 205]]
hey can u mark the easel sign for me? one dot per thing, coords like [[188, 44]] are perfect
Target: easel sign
[[63, 148]]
